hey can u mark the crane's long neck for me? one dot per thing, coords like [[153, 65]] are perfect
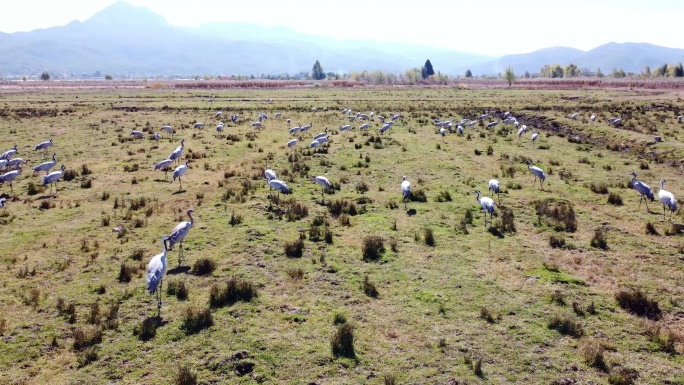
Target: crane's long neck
[[662, 183], [192, 220], [634, 180], [478, 196]]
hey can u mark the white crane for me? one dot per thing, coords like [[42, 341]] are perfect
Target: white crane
[[168, 129], [52, 178], [667, 199], [156, 270], [538, 173], [315, 143], [279, 185], [156, 136], [292, 143], [9, 153], [522, 130], [295, 129], [178, 152], [487, 205], [43, 146], [219, 114], [679, 118], [164, 166], [494, 188], [3, 164], [592, 117], [352, 118], [46, 166], [321, 134], [2, 202], [395, 117], [270, 174], [10, 176], [16, 162], [384, 128], [219, 128], [199, 125], [381, 118], [323, 139], [472, 123], [323, 182], [179, 233], [364, 126], [135, 134], [459, 129], [535, 135], [643, 190], [289, 121], [257, 125], [574, 116], [405, 190], [442, 131], [178, 173], [492, 124], [306, 128]]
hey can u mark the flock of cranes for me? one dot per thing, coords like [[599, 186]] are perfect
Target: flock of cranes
[[157, 267]]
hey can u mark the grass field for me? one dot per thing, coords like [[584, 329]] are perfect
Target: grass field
[[564, 286]]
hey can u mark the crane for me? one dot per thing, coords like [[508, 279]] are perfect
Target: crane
[[168, 129], [269, 174], [2, 202], [10, 176], [43, 146], [156, 270], [164, 166], [52, 178], [46, 166], [538, 173], [324, 182], [667, 199], [643, 189], [9, 153], [178, 152], [494, 188], [487, 205], [134, 133], [279, 185], [405, 190], [179, 233], [178, 173], [535, 135]]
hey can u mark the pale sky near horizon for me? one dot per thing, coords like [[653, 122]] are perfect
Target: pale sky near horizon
[[490, 27]]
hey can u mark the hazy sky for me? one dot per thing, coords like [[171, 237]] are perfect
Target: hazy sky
[[493, 27]]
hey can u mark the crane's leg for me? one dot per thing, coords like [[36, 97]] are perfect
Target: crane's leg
[[11, 188], [541, 184], [180, 253], [640, 199], [180, 182], [534, 181]]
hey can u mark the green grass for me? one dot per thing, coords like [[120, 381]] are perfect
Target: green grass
[[426, 316]]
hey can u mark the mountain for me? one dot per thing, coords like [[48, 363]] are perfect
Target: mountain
[[124, 40], [128, 40], [631, 57]]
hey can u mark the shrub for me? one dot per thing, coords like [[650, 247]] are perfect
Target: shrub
[[592, 353], [88, 183], [369, 288], [86, 357], [638, 303], [429, 237], [34, 188], [328, 236], [342, 342], [417, 195], [295, 273], [234, 290], [138, 254], [178, 289], [622, 376], [507, 223], [443, 196], [294, 249], [373, 247], [599, 189], [651, 229], [195, 319], [147, 329], [567, 325], [486, 315], [615, 199], [204, 266], [69, 175], [599, 240], [559, 214], [557, 241], [125, 272], [235, 219], [490, 150], [185, 376], [339, 318], [87, 336], [361, 187]]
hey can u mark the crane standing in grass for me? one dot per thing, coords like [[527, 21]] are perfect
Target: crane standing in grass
[[178, 152], [178, 173], [487, 205], [405, 191], [667, 199], [46, 166], [535, 135], [2, 202], [53, 177], [10, 176], [643, 189], [270, 174], [179, 233], [494, 188], [278, 185], [538, 173], [9, 153], [324, 182], [164, 166], [44, 146], [156, 270]]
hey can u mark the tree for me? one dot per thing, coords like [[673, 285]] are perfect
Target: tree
[[527, 75], [509, 75], [570, 71], [618, 73], [317, 71], [678, 70], [412, 75], [599, 74], [646, 72], [427, 69], [108, 77], [468, 74], [45, 76]]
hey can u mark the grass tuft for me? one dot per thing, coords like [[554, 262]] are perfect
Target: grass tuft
[[373, 248], [234, 290], [196, 319], [342, 342], [204, 266], [638, 303]]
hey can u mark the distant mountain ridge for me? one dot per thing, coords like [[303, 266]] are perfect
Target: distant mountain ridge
[[124, 40]]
